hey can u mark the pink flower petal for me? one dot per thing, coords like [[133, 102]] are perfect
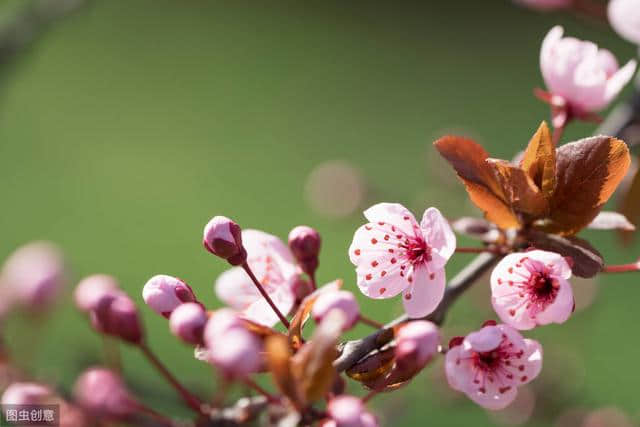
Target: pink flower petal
[[425, 293], [439, 236], [393, 213], [486, 339]]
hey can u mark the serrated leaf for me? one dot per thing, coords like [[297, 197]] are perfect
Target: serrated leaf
[[539, 160], [587, 173], [587, 261]]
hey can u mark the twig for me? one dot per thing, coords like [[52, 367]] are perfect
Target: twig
[[352, 351], [243, 411], [265, 295]]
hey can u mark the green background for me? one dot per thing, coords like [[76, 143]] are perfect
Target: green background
[[131, 123]]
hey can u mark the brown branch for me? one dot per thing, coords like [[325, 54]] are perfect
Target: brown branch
[[353, 351]]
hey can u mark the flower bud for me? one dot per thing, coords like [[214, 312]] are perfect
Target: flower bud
[[164, 293], [20, 393], [304, 243], [342, 301], [187, 322], [232, 348], [416, 343], [116, 314], [102, 393], [349, 411], [92, 288], [223, 237], [34, 274], [301, 289]]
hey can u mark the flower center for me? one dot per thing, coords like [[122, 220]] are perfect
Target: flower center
[[542, 287], [418, 251], [488, 360]]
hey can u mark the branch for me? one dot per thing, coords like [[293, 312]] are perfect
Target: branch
[[353, 351], [243, 411]]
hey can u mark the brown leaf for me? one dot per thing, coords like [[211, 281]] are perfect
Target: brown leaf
[[468, 159], [260, 330], [312, 365], [588, 172], [278, 357], [587, 261], [520, 192], [302, 315], [608, 220], [373, 366], [630, 204], [539, 160]]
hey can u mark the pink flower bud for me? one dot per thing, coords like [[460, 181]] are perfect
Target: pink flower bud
[[187, 322], [34, 274], [624, 16], [232, 348], [223, 237], [304, 243], [416, 343], [92, 288], [27, 394], [343, 301], [301, 289], [349, 411], [164, 293], [116, 314], [103, 394]]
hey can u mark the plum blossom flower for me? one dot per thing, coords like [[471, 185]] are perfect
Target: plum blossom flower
[[349, 411], [580, 75], [624, 16], [343, 301], [230, 346], [489, 365], [164, 293], [531, 288], [393, 254], [545, 4], [273, 265]]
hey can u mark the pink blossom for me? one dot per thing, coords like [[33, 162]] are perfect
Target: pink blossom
[[230, 346], [489, 365], [531, 288], [393, 254], [90, 289], [164, 293], [583, 76], [273, 265], [222, 237], [27, 393], [349, 411], [116, 314], [416, 343], [34, 274], [624, 16], [343, 301], [305, 245], [102, 393], [187, 322], [545, 4]]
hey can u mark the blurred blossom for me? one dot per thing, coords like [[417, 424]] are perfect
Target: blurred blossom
[[116, 314], [91, 289], [273, 265], [491, 364], [335, 189], [624, 16], [34, 274], [103, 394], [586, 78], [607, 417], [349, 411], [27, 393], [519, 412], [163, 293], [545, 4], [187, 322], [416, 343], [343, 301]]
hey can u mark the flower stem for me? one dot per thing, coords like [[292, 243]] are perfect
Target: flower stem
[[312, 277], [370, 395], [192, 401], [622, 268], [264, 294], [480, 250], [370, 322]]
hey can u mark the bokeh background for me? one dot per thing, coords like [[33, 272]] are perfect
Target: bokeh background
[[127, 125]]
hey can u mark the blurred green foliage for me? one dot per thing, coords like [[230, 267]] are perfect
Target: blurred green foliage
[[130, 124]]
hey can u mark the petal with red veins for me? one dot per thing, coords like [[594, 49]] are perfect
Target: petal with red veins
[[393, 213], [425, 291], [439, 236]]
